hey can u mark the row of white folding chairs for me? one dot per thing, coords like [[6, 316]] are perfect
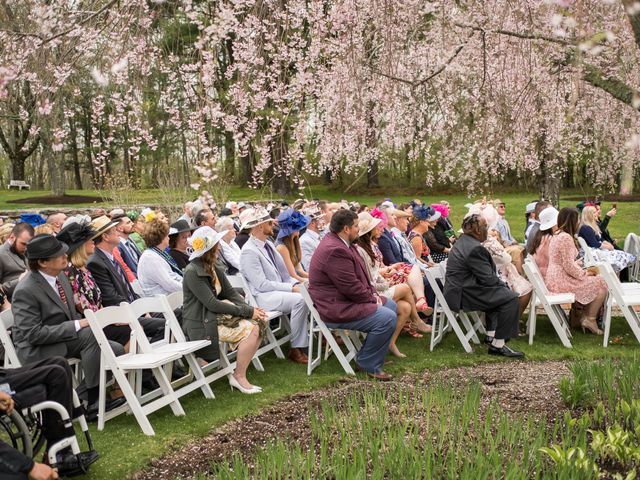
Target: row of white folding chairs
[[158, 358]]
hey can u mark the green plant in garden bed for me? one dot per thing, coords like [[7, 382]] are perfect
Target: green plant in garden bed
[[610, 391], [436, 432]]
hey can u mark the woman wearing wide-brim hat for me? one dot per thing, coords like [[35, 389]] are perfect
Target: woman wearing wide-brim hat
[[215, 311], [291, 222], [79, 236]]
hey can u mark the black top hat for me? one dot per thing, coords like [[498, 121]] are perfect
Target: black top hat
[[180, 226], [45, 246], [75, 235]]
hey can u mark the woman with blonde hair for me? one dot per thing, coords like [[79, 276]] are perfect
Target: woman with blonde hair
[[5, 231], [604, 251]]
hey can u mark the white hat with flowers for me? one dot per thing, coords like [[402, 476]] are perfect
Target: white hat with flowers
[[203, 240]]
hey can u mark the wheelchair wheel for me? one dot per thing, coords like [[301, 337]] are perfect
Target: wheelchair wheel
[[15, 432], [33, 421]]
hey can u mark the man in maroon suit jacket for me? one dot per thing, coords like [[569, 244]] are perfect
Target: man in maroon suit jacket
[[344, 297]]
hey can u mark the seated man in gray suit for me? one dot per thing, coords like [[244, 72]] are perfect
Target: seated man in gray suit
[[47, 323], [472, 284], [269, 281], [12, 260]]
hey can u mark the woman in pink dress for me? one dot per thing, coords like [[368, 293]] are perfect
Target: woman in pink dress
[[566, 275]]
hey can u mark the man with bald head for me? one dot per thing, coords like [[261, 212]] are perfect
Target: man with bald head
[[56, 220]]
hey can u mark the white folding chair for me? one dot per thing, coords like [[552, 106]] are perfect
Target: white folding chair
[[589, 256], [10, 355], [632, 246], [128, 367], [318, 328], [177, 343], [625, 295], [552, 304], [450, 321]]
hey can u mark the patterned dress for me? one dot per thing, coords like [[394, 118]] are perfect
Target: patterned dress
[[564, 275], [506, 269], [86, 294], [424, 254]]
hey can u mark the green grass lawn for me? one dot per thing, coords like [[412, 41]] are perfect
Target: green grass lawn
[[125, 449]]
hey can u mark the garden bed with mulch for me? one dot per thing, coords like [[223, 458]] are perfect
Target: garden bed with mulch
[[517, 387]]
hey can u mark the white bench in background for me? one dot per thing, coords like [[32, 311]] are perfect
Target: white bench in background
[[19, 184]]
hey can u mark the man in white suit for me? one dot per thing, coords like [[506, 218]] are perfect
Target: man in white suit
[[269, 281], [310, 239]]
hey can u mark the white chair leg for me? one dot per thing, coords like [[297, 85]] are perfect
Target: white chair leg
[[607, 321], [199, 376], [168, 392]]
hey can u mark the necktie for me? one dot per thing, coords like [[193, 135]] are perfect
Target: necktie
[[123, 278], [270, 253], [63, 296], [133, 249]]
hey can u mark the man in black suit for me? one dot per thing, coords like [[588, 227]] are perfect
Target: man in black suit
[[473, 285], [111, 277], [47, 323]]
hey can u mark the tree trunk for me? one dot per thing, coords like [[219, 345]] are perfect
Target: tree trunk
[[281, 184], [55, 165], [246, 166], [229, 155], [550, 188], [626, 179], [74, 154]]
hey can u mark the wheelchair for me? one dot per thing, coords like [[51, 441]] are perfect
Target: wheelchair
[[23, 431]]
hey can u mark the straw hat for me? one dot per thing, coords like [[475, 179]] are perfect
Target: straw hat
[[366, 223], [101, 224], [397, 213], [203, 240], [253, 217]]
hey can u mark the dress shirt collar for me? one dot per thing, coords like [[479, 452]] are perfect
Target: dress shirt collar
[[108, 254], [312, 234], [51, 280], [260, 243]]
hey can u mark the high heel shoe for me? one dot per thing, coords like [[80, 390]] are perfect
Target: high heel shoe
[[591, 325], [249, 391], [423, 307]]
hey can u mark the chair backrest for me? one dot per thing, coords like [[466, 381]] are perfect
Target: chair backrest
[[307, 299], [110, 316], [535, 277], [632, 244], [155, 304], [175, 299], [588, 253], [10, 355], [612, 280], [137, 288], [247, 292], [236, 281]]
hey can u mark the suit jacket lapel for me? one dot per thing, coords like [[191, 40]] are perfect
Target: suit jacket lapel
[[266, 256], [52, 295]]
